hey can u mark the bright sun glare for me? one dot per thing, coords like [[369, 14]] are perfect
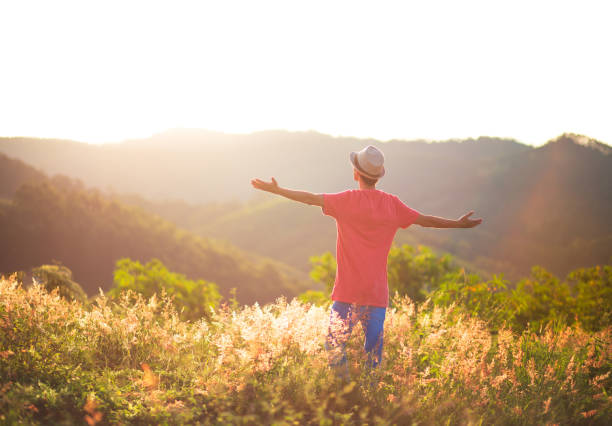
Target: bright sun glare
[[107, 71]]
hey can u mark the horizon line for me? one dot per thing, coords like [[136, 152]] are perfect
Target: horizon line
[[279, 130]]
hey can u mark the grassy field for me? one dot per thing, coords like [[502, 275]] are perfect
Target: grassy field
[[134, 361]]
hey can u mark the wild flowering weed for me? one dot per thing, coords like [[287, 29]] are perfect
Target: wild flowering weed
[[134, 360]]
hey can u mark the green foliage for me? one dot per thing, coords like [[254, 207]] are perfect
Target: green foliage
[[59, 277], [542, 299], [324, 270], [488, 300], [592, 290], [193, 299], [416, 272], [584, 298], [317, 298]]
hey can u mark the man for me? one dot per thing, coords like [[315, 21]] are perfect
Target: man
[[367, 220]]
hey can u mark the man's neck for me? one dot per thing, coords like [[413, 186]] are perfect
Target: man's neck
[[364, 186]]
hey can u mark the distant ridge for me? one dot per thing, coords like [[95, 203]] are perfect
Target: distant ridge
[[198, 135], [581, 140]]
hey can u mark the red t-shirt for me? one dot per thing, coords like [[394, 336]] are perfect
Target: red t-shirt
[[367, 221]]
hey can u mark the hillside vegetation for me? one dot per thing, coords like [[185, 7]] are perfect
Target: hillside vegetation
[[135, 361], [59, 219]]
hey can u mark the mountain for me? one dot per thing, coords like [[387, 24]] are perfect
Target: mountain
[[549, 205], [59, 219], [200, 166]]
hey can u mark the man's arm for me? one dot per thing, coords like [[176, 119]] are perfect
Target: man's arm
[[301, 196], [439, 222]]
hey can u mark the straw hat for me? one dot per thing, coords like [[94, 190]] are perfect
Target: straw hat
[[369, 162]]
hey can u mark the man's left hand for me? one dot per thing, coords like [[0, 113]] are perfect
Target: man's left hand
[[466, 222]]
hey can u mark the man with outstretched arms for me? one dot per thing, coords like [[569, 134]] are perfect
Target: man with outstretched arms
[[366, 220]]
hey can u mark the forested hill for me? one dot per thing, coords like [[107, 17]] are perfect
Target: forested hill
[[59, 219]]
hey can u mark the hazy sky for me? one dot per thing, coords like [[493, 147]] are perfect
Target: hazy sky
[[105, 71]]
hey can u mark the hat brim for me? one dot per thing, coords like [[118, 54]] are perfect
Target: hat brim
[[355, 164]]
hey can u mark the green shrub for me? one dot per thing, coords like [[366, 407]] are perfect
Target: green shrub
[[592, 290], [193, 299], [324, 270], [415, 272], [317, 298], [59, 277], [584, 298], [542, 299], [488, 300]]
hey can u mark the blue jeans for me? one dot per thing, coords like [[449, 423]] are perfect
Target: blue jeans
[[342, 318]]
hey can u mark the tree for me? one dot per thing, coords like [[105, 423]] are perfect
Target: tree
[[194, 299], [324, 270], [59, 277], [541, 299], [416, 272], [592, 288]]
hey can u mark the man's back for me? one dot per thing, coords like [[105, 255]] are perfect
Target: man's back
[[367, 220]]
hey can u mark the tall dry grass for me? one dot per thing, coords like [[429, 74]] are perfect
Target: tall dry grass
[[135, 361]]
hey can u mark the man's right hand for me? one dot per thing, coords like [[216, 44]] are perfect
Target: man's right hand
[[300, 196], [265, 186]]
